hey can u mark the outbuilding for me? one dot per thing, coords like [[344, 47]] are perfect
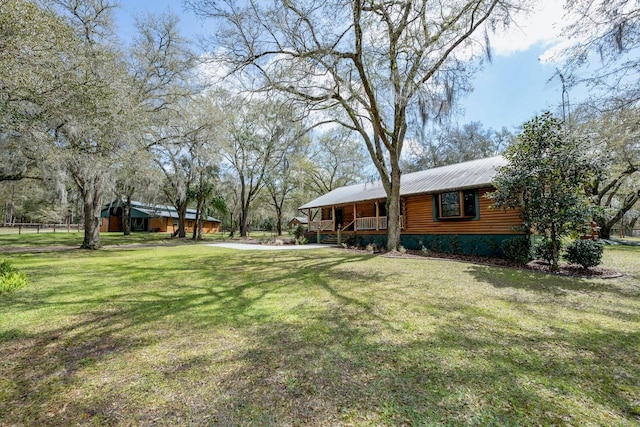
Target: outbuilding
[[154, 218]]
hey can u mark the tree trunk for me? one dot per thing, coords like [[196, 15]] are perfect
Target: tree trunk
[[393, 211], [605, 231], [555, 252], [244, 221], [11, 204], [196, 222], [232, 227], [92, 200], [607, 225], [244, 208], [200, 227], [126, 216], [199, 221], [279, 221], [182, 213]]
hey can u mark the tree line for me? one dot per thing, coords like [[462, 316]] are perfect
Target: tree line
[[86, 120], [316, 95]]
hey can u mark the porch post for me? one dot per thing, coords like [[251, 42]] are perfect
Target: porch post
[[318, 231], [333, 217], [355, 219], [377, 216]]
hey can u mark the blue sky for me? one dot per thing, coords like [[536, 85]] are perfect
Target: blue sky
[[510, 90]]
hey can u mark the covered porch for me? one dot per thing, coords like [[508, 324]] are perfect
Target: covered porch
[[368, 216]]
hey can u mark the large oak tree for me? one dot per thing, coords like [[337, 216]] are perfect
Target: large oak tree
[[363, 63]]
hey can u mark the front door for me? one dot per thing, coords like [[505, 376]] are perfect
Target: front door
[[339, 218]]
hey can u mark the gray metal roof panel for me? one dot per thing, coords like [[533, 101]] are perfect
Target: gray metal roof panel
[[472, 174], [143, 210], [166, 211]]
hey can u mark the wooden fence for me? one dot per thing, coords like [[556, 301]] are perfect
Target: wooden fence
[[31, 227]]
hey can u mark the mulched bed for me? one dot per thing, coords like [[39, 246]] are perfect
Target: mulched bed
[[575, 270], [536, 265]]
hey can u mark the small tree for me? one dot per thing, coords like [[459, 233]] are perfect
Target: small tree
[[545, 177]]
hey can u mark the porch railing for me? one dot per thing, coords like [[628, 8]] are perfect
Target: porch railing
[[369, 223], [323, 225]]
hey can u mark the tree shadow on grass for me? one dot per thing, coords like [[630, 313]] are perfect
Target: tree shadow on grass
[[559, 290], [547, 283], [117, 310], [208, 348], [341, 374]]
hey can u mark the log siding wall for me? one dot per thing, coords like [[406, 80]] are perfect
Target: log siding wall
[[419, 218], [418, 212]]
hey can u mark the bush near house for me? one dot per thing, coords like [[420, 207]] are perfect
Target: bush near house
[[517, 249], [543, 250], [587, 253]]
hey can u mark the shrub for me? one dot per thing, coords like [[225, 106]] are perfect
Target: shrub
[[517, 249], [544, 250], [5, 268], [10, 279], [301, 241], [299, 232], [587, 253]]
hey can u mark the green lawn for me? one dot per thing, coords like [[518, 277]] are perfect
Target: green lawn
[[9, 238], [193, 334]]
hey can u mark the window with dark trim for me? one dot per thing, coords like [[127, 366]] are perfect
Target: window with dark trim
[[457, 204]]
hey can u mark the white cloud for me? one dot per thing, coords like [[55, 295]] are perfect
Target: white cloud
[[542, 25]]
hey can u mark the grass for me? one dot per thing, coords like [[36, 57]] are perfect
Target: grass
[[10, 239], [201, 335]]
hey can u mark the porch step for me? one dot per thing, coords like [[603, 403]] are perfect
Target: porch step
[[331, 239]]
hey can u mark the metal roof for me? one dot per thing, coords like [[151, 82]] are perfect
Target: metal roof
[[165, 211], [142, 210], [472, 174], [300, 219]]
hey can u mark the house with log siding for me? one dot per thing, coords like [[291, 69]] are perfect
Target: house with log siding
[[443, 209], [152, 218]]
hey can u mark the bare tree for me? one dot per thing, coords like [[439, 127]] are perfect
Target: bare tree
[[174, 125], [605, 39], [285, 178], [180, 156], [453, 144], [137, 175], [335, 159], [615, 143], [88, 129], [259, 134], [363, 63]]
